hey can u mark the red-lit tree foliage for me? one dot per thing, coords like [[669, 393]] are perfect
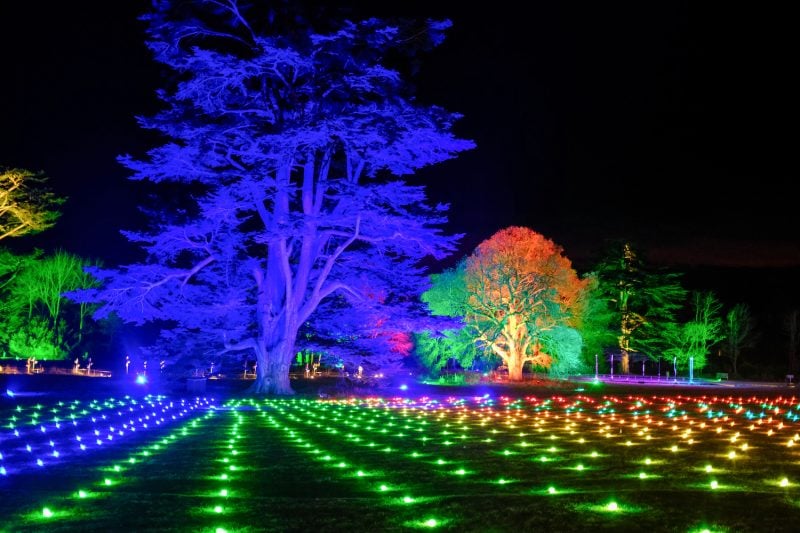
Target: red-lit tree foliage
[[519, 287]]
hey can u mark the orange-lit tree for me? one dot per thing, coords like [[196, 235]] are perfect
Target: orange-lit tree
[[519, 288]]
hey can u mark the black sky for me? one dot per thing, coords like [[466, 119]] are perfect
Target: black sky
[[670, 123]]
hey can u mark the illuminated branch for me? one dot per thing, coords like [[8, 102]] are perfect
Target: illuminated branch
[[26, 207], [316, 294], [247, 344]]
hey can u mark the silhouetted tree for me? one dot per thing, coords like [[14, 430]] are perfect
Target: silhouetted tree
[[694, 338], [791, 325], [739, 333]]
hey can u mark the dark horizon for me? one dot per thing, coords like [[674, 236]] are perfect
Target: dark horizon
[[663, 124]]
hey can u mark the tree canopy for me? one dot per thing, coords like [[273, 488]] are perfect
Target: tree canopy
[[595, 323], [37, 319], [286, 136], [519, 298], [692, 340]]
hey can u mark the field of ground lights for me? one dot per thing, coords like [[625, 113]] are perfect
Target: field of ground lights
[[553, 463]]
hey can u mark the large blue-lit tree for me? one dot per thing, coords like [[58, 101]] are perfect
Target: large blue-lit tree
[[286, 136]]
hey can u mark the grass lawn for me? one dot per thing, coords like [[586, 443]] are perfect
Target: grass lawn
[[661, 461]]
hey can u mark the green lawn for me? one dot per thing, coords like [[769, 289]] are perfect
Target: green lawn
[[571, 463]]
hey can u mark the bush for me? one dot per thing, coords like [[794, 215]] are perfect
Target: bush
[[35, 340]]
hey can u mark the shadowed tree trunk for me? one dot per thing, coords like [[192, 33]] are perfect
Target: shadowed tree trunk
[[272, 372]]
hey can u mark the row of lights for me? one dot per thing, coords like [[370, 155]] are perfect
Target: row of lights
[[293, 433], [533, 430], [113, 474], [85, 435], [338, 424]]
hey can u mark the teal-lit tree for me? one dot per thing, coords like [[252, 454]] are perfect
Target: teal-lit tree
[[285, 135], [566, 344]]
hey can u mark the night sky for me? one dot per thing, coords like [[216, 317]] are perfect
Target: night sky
[[667, 123]]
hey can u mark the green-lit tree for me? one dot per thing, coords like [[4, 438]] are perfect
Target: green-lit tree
[[447, 297], [11, 265], [645, 301], [566, 344], [38, 319], [596, 322], [694, 339], [26, 205], [33, 338], [434, 352], [739, 332]]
